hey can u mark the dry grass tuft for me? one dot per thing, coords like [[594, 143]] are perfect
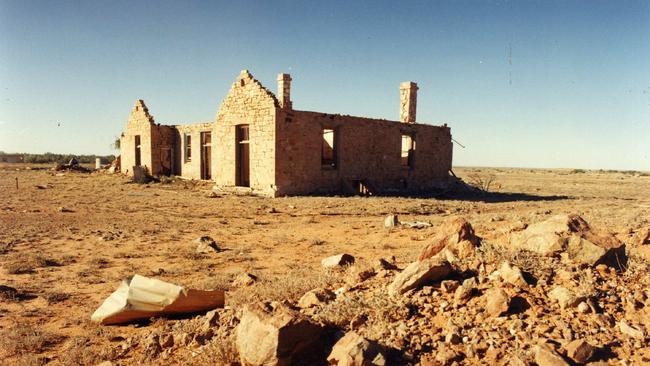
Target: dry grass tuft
[[18, 267], [290, 286], [79, 352], [53, 297], [23, 339], [24, 264]]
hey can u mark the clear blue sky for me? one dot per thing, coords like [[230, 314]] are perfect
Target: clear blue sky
[[521, 83]]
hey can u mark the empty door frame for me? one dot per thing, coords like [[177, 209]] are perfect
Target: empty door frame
[[206, 155], [242, 156]]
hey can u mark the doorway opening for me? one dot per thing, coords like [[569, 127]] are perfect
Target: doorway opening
[[242, 163], [137, 151], [206, 155]]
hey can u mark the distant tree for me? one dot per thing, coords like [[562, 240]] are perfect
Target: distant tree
[[116, 144]]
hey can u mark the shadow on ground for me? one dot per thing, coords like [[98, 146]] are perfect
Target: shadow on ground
[[497, 197]]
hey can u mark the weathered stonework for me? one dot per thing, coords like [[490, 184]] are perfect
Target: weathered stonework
[[285, 149], [408, 93]]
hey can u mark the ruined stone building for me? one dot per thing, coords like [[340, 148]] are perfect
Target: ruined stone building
[[259, 141]]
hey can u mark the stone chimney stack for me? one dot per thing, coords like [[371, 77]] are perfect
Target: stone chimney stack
[[408, 93], [284, 90]]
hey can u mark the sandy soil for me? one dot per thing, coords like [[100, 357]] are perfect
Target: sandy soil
[[67, 239]]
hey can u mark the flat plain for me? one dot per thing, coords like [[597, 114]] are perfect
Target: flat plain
[[67, 239]]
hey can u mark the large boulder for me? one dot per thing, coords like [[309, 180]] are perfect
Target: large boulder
[[354, 350], [573, 235], [419, 273], [455, 234], [273, 335]]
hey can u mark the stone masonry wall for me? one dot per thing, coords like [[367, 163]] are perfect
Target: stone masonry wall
[[247, 102], [140, 122], [192, 168], [368, 149]]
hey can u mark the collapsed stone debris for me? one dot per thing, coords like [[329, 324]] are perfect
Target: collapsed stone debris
[[480, 308]]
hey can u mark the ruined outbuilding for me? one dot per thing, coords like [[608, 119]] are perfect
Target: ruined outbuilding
[[259, 141]]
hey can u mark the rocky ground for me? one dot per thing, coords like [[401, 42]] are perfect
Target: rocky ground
[[552, 268]]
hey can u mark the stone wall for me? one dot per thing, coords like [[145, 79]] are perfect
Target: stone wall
[[140, 123], [247, 102], [285, 145], [191, 168], [368, 150]]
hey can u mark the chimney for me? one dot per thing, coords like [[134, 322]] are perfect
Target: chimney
[[284, 90], [408, 93]]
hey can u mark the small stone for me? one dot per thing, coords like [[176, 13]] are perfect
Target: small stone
[[316, 297], [211, 320], [583, 307], [512, 274], [465, 291], [358, 321], [449, 286], [337, 260], [206, 244], [498, 302], [419, 273], [452, 337], [244, 280], [579, 351], [545, 356], [630, 330], [354, 350], [565, 297], [382, 263], [167, 341]]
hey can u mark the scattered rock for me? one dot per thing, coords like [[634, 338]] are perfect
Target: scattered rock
[[382, 263], [391, 221], [579, 351], [273, 335], [570, 233], [244, 280], [213, 194], [354, 350], [565, 297], [629, 330], [152, 346], [466, 290], [167, 341], [455, 234], [64, 209], [416, 224], [642, 237], [512, 274], [337, 260], [449, 286], [545, 356], [498, 302], [583, 307], [418, 273], [206, 244], [211, 320], [584, 251], [316, 297]]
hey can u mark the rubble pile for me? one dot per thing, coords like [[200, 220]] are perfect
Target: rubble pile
[[72, 165], [557, 293]]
